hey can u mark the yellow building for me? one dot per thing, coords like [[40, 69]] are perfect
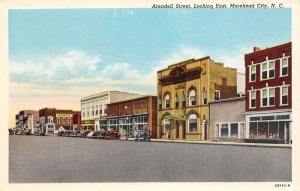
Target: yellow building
[[184, 90]]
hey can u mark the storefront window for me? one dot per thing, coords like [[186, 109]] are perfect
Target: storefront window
[[273, 130], [234, 129], [192, 123], [253, 130], [263, 130], [269, 127], [224, 130]]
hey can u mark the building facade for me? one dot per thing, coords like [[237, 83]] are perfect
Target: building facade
[[269, 94], [22, 118], [33, 121], [184, 90], [227, 120], [135, 114], [94, 108], [52, 119]]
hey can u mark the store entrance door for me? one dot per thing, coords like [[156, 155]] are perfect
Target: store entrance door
[[177, 130]]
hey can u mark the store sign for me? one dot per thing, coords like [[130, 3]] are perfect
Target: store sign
[[64, 115], [179, 86], [88, 122], [141, 111]]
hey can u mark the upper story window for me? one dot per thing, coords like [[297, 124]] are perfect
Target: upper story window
[[88, 112], [268, 97], [100, 111], [93, 111], [284, 66], [284, 92], [69, 120], [159, 104], [83, 112], [183, 100], [192, 97], [267, 70], [252, 99], [176, 102], [58, 120], [204, 98], [167, 101], [217, 94], [50, 119], [252, 73], [105, 109], [97, 110]]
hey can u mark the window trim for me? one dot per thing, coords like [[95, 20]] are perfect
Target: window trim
[[250, 99], [281, 91], [252, 72], [229, 129], [268, 97], [190, 102], [189, 117], [218, 92], [165, 101], [268, 69], [287, 58]]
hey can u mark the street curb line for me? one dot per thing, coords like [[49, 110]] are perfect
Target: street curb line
[[288, 146]]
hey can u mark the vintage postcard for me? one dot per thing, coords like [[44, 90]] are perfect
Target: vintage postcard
[[160, 95]]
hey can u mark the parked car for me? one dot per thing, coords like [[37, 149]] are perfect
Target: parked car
[[112, 134], [142, 135]]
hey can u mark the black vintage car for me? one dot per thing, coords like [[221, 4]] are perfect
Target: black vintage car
[[143, 135]]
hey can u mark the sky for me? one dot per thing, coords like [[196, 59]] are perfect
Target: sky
[[58, 56]]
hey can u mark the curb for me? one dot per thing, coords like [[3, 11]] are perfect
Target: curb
[[287, 146]]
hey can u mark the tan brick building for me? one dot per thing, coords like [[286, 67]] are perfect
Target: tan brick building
[[134, 114], [184, 90]]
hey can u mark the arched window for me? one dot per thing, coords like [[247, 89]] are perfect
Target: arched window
[[167, 126], [192, 97], [192, 123], [167, 101]]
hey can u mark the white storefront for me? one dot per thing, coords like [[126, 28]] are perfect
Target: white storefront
[[270, 125]]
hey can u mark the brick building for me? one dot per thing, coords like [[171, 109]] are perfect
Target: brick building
[[134, 114], [184, 90], [269, 94], [22, 118], [94, 108], [52, 119]]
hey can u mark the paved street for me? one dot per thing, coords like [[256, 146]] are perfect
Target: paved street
[[35, 159]]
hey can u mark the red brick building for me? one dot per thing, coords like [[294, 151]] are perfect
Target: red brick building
[[52, 119], [269, 94], [134, 114], [22, 118]]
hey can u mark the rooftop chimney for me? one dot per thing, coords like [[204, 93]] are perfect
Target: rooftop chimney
[[256, 49]]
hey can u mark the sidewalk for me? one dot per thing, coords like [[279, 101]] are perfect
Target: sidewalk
[[289, 146]]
